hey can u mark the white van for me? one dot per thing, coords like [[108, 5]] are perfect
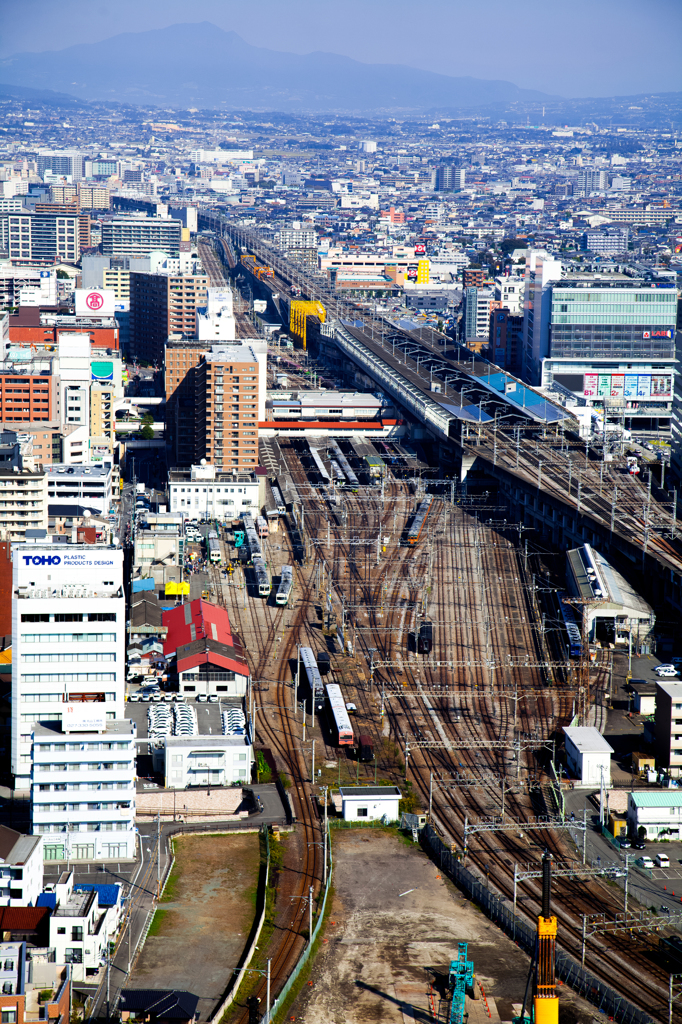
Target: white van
[[662, 860]]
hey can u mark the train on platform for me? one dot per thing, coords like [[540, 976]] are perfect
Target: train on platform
[[352, 482], [416, 530], [278, 500], [313, 677], [214, 552], [286, 585], [339, 719]]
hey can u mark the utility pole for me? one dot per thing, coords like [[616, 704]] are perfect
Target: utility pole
[[310, 915]]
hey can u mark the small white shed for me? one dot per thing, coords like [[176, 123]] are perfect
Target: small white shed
[[587, 753], [370, 803]]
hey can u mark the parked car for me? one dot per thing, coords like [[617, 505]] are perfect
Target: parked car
[[202, 697], [625, 844], [662, 860], [213, 698], [666, 671], [639, 844], [644, 862], [134, 697]]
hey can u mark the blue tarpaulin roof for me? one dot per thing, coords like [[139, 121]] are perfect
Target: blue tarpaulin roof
[[47, 899], [107, 895]]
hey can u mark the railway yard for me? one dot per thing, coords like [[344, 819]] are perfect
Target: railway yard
[[465, 729], [439, 623]]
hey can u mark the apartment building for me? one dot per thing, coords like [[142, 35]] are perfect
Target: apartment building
[[230, 401], [181, 358], [139, 236], [102, 420], [68, 638], [27, 397], [43, 238], [607, 242], [478, 305], [163, 305], [23, 502], [509, 292], [83, 785], [66, 163], [448, 179]]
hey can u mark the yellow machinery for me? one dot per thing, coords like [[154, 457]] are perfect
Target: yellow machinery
[[546, 1001], [300, 310]]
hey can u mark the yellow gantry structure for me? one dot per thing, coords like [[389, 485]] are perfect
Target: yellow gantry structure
[[300, 310]]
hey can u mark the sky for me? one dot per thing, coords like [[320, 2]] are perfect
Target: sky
[[581, 48]]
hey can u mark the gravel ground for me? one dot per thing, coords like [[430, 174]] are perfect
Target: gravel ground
[[207, 920], [385, 946]]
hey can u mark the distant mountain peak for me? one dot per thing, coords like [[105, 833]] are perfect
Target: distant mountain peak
[[197, 64]]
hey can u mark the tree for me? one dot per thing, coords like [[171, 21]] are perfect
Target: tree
[[62, 275], [146, 433]]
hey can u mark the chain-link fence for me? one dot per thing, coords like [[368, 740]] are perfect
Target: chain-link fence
[[567, 970]]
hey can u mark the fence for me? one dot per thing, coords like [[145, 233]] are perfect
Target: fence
[[291, 980], [237, 979], [567, 970]]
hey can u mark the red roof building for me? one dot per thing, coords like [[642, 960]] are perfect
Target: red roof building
[[208, 656]]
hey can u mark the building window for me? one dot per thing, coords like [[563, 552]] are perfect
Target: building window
[[362, 812], [9, 1016]]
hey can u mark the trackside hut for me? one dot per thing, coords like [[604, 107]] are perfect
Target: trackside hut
[[370, 803], [657, 811]]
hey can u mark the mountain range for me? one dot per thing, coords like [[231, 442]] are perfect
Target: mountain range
[[200, 65]]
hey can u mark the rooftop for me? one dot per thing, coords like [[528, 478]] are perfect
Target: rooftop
[[657, 798], [370, 791], [95, 469], [587, 739]]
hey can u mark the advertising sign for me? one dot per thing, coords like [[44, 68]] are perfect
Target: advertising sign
[[423, 272], [94, 302], [617, 385], [604, 385], [660, 386], [643, 385], [590, 385], [412, 272], [84, 718], [630, 390], [420, 250], [102, 370]]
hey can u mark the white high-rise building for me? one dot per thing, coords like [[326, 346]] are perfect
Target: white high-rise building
[[68, 638], [215, 320]]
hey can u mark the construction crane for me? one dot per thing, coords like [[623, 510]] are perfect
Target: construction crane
[[461, 978], [545, 999]]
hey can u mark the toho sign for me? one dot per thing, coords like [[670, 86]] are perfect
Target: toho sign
[[68, 561], [42, 559]]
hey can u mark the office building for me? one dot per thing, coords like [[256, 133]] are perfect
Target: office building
[[668, 726], [21, 868], [541, 271], [102, 420], [367, 146], [202, 760], [72, 489], [43, 238], [609, 340], [83, 785], [204, 492], [140, 236], [68, 638], [23, 501], [26, 396], [230, 402], [163, 305]]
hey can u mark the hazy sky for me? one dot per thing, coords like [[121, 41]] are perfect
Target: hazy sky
[[581, 48]]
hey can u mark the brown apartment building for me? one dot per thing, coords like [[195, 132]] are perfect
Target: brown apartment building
[[226, 413], [162, 305], [182, 357]]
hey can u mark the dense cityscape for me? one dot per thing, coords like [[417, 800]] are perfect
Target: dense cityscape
[[373, 422]]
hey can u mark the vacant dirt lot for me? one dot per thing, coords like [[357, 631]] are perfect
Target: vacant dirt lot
[[386, 946], [205, 920]]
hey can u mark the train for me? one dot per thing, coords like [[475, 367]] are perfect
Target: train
[[214, 553], [309, 666], [425, 638], [352, 481], [252, 541], [286, 584], [262, 527], [339, 720], [262, 579], [574, 636], [417, 527], [365, 749], [277, 500], [337, 472]]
